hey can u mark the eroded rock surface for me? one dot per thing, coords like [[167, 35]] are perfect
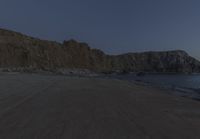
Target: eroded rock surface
[[18, 51]]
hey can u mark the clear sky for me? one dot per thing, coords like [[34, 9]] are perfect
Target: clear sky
[[115, 26]]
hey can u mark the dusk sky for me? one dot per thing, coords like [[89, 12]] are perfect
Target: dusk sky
[[115, 26]]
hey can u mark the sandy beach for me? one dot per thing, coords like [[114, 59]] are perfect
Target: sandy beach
[[60, 107]]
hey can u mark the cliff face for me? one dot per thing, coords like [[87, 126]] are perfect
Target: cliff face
[[21, 51], [17, 50], [169, 61]]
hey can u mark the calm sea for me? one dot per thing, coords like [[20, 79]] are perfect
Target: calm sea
[[184, 85]]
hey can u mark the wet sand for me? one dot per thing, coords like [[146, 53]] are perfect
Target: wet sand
[[58, 107]]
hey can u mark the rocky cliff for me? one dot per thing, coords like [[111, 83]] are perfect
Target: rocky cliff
[[170, 61], [21, 51]]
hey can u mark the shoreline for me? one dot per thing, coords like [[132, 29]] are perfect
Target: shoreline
[[188, 92], [181, 91], [45, 106]]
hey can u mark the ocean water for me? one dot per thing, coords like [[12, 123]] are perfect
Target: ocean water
[[183, 85]]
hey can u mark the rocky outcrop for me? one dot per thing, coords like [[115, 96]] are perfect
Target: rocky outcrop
[[170, 61], [18, 51]]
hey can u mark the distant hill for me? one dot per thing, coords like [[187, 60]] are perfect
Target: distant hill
[[21, 51]]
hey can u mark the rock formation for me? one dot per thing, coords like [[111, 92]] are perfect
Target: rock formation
[[21, 51]]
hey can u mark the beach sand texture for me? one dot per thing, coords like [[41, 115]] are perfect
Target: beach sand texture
[[57, 107]]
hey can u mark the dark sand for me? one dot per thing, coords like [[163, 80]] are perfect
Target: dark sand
[[58, 107]]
